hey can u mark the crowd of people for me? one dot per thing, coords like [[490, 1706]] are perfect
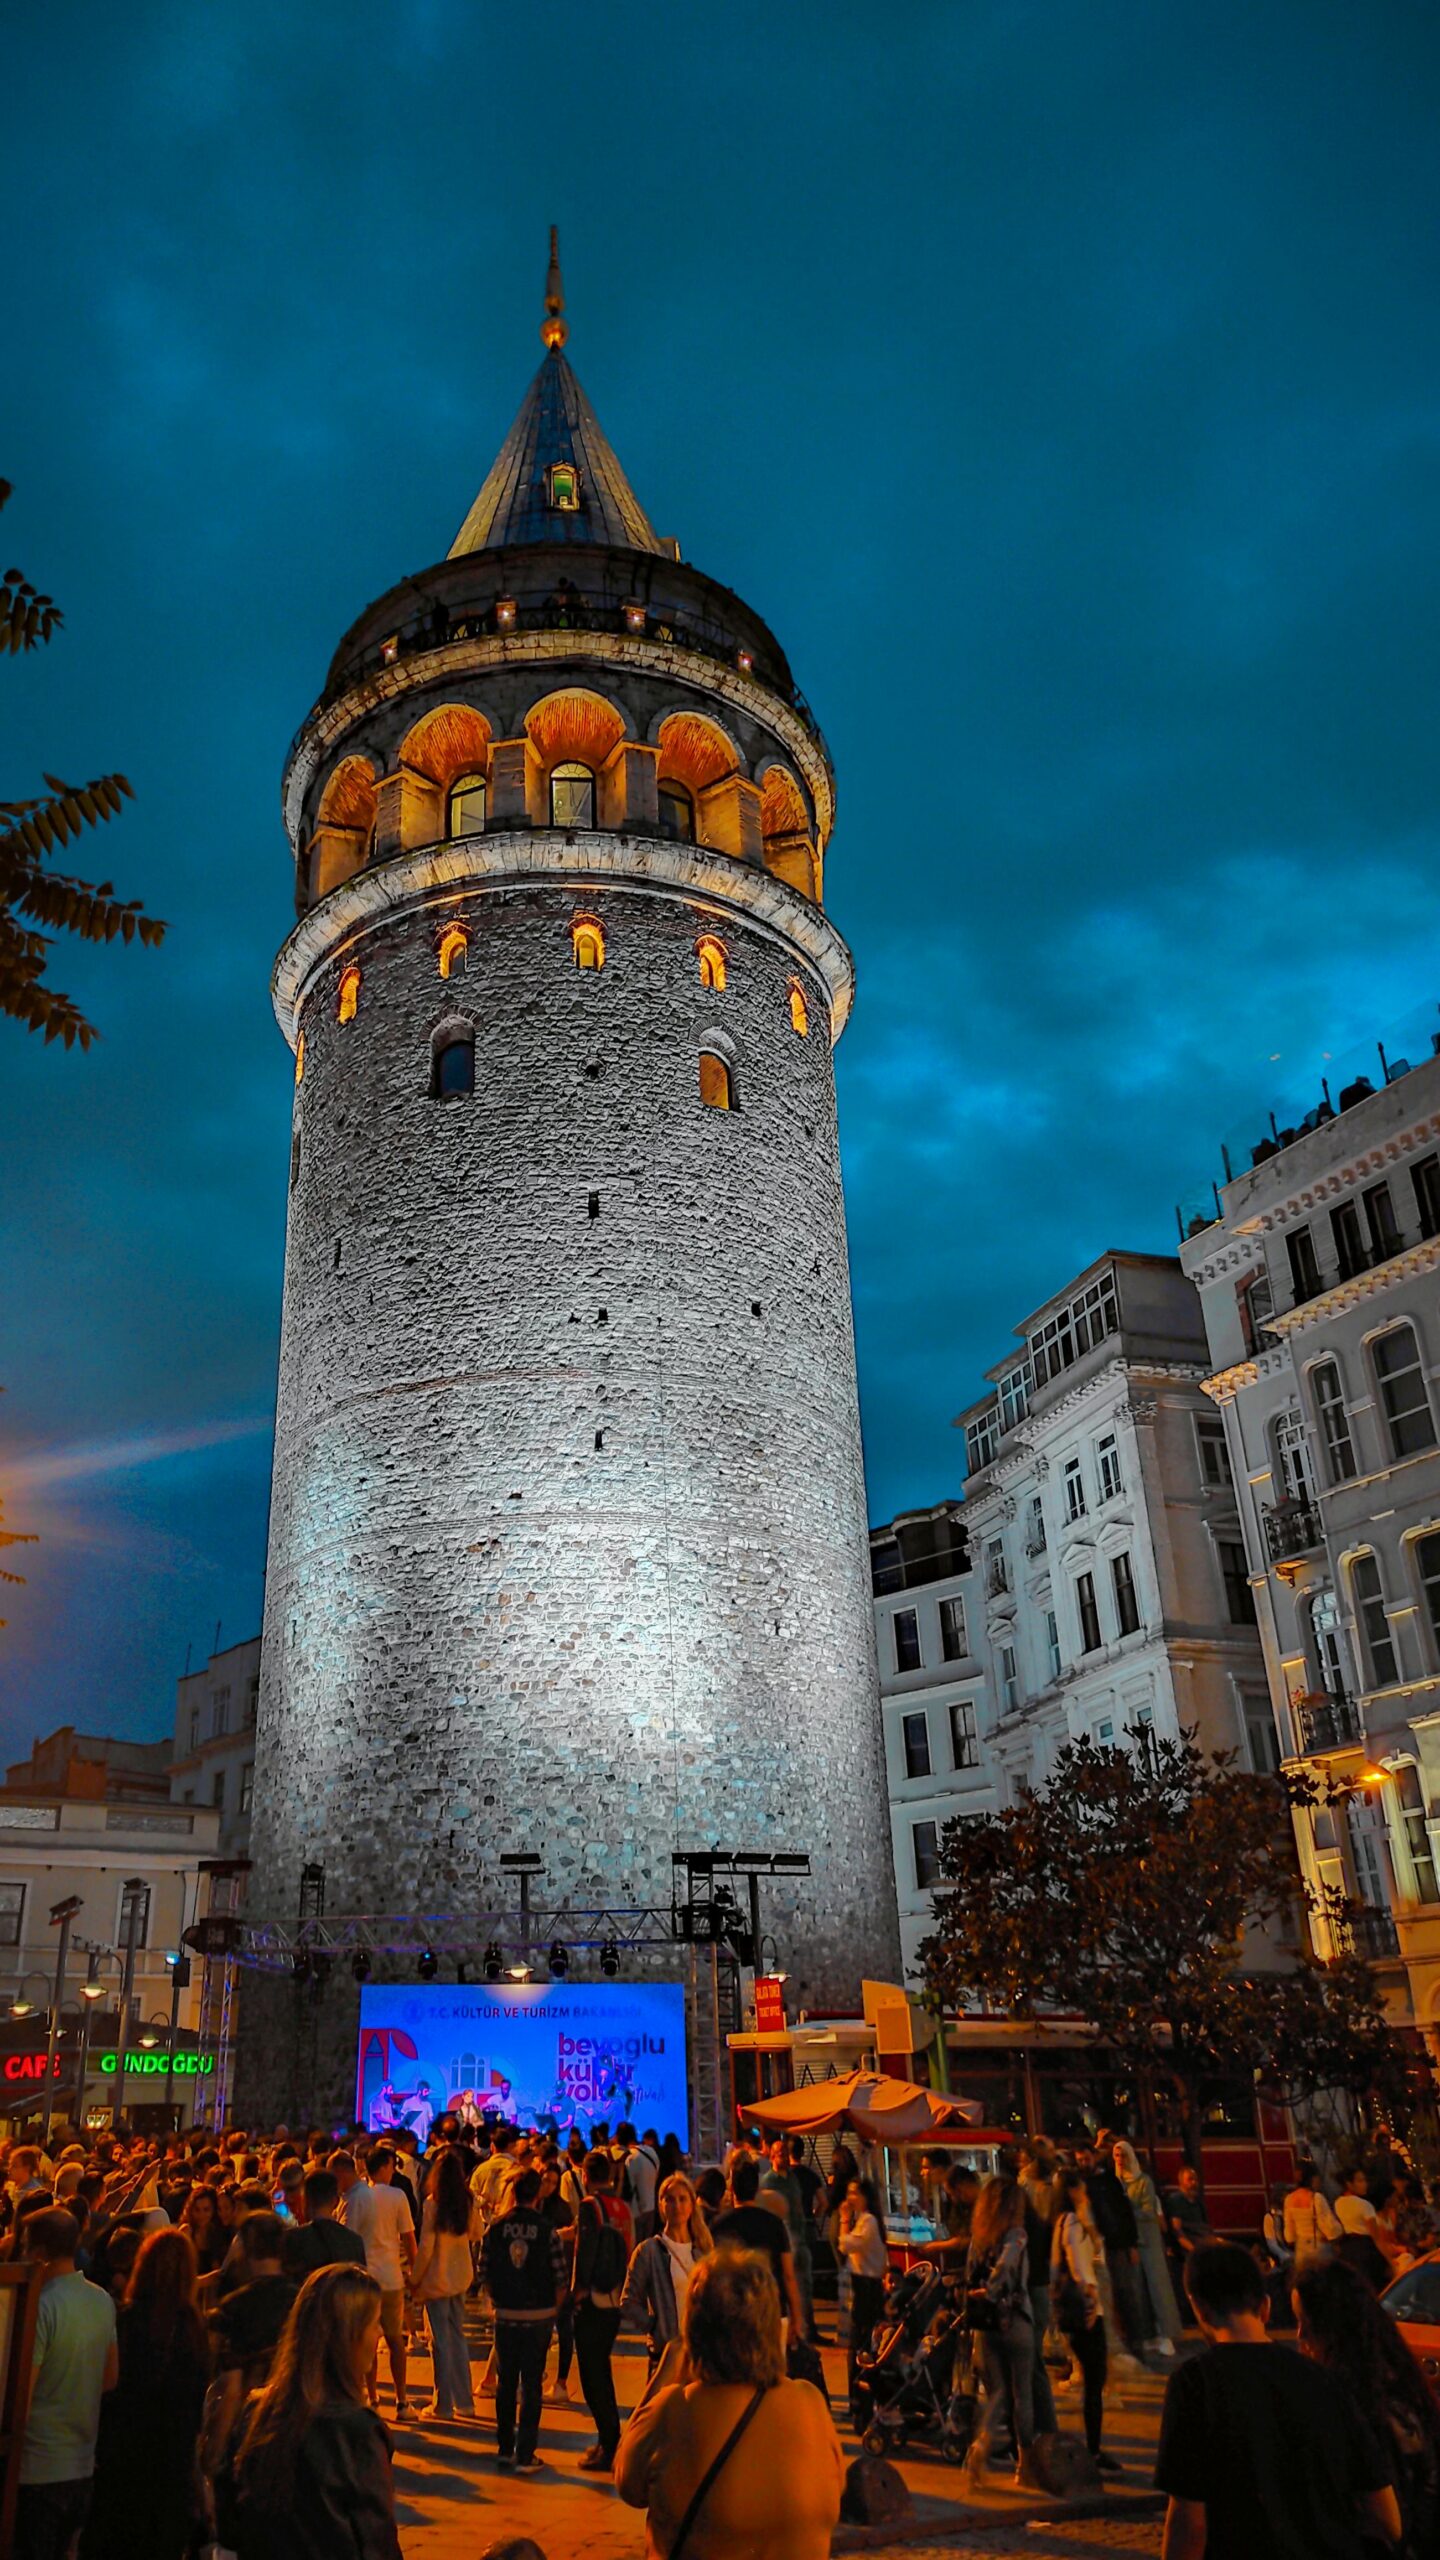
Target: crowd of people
[[217, 2319]]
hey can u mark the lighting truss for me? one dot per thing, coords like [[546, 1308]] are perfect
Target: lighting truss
[[455, 1937]]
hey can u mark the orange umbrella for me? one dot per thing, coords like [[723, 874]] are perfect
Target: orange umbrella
[[876, 2107]]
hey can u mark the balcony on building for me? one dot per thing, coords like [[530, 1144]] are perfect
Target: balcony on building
[[1372, 1933], [1294, 1533], [997, 1578], [1326, 1721]]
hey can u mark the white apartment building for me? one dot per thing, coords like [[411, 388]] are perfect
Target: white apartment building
[[1318, 1282], [214, 1759], [928, 1626], [1094, 1582]]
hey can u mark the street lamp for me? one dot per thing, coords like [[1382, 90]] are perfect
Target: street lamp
[[62, 1917]]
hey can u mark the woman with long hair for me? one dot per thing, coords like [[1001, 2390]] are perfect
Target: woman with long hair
[[1166, 2327], [662, 2267], [208, 2235], [145, 2505], [442, 2280], [998, 2303], [1343, 2327], [309, 2478], [723, 2452], [1075, 2254]]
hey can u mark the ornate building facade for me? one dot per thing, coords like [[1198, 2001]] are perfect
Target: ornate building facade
[[568, 1546]]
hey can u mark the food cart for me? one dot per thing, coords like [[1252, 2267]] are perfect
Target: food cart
[[910, 2131]]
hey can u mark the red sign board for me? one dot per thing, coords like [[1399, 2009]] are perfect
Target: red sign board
[[769, 2004]]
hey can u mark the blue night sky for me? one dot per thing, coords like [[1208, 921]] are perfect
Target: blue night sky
[[1059, 377]]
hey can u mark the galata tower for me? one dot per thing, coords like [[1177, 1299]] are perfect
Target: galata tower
[[568, 1546]]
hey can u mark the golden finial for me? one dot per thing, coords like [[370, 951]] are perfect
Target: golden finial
[[552, 328]]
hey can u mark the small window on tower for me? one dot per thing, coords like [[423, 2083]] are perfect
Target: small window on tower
[[454, 948], [572, 796], [300, 1059], [677, 813], [349, 994], [588, 943], [799, 1010], [711, 956], [454, 1069], [467, 805], [715, 1085], [562, 482]]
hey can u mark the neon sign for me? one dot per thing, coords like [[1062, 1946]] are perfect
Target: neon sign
[[154, 2065]]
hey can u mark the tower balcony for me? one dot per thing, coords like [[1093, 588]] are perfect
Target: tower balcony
[[1294, 1534]]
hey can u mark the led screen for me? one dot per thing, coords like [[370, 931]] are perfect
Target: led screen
[[547, 2054]]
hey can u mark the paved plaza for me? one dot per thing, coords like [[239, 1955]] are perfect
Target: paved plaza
[[451, 2501]]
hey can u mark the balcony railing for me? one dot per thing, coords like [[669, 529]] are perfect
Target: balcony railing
[[1035, 1540], [1326, 1722], [1292, 1529], [1368, 1933]]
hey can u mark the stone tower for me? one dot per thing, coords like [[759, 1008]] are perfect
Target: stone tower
[[568, 1542]]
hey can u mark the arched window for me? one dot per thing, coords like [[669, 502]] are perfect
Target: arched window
[[716, 1088], [1404, 1397], [677, 813], [348, 994], [588, 943], [454, 1066], [300, 1059], [454, 945], [467, 805], [799, 1010], [572, 796], [713, 967]]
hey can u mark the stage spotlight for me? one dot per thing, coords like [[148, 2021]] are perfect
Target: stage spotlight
[[559, 1961], [360, 1964], [494, 1963], [429, 1964], [609, 1959], [518, 1972]]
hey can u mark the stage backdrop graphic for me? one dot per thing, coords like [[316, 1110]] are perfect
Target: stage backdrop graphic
[[546, 2054]]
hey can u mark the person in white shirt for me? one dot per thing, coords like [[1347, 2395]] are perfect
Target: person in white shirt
[[380, 2213], [1353, 2209], [861, 2243], [1310, 2224], [660, 2270]]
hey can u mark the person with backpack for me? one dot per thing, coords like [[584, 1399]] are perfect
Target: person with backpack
[[604, 2240], [527, 2278], [642, 2178]]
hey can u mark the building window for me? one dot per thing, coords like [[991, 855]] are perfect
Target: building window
[[1009, 1678], [906, 1624], [220, 1717], [1403, 1396], [1239, 1598], [1350, 1253], [137, 1902], [1304, 1269], [1380, 1219], [1014, 1395], [1369, 1597], [1052, 1644], [1410, 1797], [466, 805], [799, 1011], [348, 994], [982, 1441], [572, 796], [217, 1791], [12, 1914], [1089, 1614], [915, 1733], [454, 1068], [454, 951], [1333, 1421], [194, 1729], [1261, 1737], [562, 487], [1078, 1328], [715, 1085], [1214, 1458], [1074, 1490], [954, 1641], [300, 1059], [1426, 1552], [252, 1701], [713, 969], [677, 813], [1110, 1478], [247, 1786], [1256, 1301], [1035, 1526], [587, 942], [925, 1847], [964, 1742], [1425, 1183], [1127, 1605]]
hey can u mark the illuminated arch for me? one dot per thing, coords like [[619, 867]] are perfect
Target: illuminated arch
[[451, 740], [344, 824], [799, 1010], [714, 962], [786, 835], [695, 751], [300, 1059], [717, 1084], [574, 726], [347, 994], [454, 951], [587, 941]]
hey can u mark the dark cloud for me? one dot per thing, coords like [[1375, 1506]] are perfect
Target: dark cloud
[[1060, 379]]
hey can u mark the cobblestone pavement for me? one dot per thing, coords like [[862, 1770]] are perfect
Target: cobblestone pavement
[[1061, 2541]]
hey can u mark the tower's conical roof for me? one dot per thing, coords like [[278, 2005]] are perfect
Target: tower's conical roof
[[556, 424]]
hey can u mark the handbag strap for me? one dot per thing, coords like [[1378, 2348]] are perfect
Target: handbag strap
[[713, 2474]]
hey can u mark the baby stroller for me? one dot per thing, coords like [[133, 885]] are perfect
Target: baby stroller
[[907, 2374]]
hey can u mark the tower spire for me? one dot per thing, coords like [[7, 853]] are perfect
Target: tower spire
[[553, 329]]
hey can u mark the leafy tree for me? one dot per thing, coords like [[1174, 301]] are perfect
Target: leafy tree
[[36, 903], [1122, 1889]]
